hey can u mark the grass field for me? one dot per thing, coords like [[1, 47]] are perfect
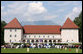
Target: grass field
[[36, 50]]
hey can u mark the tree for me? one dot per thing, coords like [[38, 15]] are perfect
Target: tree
[[3, 23], [78, 21]]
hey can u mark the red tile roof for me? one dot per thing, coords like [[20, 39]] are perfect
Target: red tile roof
[[13, 24], [42, 29], [69, 24]]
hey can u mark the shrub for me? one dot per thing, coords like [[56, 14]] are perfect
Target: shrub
[[61, 44], [76, 43]]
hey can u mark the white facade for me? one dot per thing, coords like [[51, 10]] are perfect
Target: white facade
[[13, 35], [70, 35], [66, 36]]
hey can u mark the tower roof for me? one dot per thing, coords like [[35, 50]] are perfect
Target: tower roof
[[13, 24], [69, 24]]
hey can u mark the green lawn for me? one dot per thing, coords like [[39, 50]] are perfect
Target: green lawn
[[36, 50]]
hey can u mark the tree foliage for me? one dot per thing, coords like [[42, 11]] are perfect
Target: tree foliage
[[3, 23], [78, 21]]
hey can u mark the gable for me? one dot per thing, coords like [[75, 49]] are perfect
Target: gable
[[13, 24]]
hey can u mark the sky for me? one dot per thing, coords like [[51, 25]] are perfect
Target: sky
[[30, 11]]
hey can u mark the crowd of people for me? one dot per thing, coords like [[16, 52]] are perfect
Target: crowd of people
[[47, 45]]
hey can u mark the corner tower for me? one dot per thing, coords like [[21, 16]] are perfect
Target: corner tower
[[70, 32], [13, 32]]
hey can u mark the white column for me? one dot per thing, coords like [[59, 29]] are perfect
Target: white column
[[43, 41], [56, 41], [48, 41], [52, 41], [30, 41], [34, 41]]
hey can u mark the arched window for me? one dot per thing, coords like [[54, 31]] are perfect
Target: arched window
[[45, 40], [23, 40], [36, 40], [50, 41], [27, 41], [54, 40], [59, 40], [32, 41]]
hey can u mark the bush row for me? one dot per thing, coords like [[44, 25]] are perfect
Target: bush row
[[49, 43]]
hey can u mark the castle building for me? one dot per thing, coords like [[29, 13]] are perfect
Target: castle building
[[16, 33]]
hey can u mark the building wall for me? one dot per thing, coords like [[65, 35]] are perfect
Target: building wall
[[7, 34], [56, 36], [66, 34], [70, 34]]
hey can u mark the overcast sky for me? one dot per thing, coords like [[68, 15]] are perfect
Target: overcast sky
[[55, 11]]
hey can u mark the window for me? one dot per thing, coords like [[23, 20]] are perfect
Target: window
[[48, 36], [67, 40], [10, 40], [10, 35], [29, 36], [39, 36], [10, 30], [15, 30], [15, 40], [34, 36], [25, 36], [15, 35], [43, 36], [59, 40], [53, 36]]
